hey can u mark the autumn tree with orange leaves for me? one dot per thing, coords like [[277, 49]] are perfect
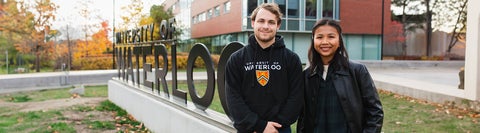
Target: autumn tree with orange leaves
[[29, 26], [95, 55]]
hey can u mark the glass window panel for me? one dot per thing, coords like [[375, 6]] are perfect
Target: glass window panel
[[283, 26], [327, 8], [252, 4], [353, 44], [293, 24], [217, 11], [227, 7], [309, 25], [293, 7], [311, 9], [203, 17], [371, 48], [249, 23], [209, 14], [282, 5]]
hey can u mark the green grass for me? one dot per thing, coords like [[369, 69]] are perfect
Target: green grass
[[3, 69], [100, 124], [123, 116], [42, 95], [401, 114], [109, 106], [201, 87], [51, 121], [58, 127], [26, 121], [19, 98]]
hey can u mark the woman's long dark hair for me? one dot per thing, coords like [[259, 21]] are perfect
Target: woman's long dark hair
[[340, 58]]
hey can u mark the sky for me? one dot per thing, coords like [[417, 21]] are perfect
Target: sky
[[68, 12]]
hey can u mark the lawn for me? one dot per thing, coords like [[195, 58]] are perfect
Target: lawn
[[90, 116], [405, 114], [402, 114]]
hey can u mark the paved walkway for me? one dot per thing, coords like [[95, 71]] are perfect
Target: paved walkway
[[403, 80], [442, 76], [447, 77]]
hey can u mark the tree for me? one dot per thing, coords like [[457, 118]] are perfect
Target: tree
[[87, 13], [133, 15], [451, 16], [158, 13], [395, 37], [30, 27], [100, 39], [16, 18], [45, 14], [98, 45], [428, 20], [437, 15], [15, 25], [410, 22]]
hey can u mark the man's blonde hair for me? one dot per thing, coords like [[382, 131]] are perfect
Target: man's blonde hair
[[271, 7]]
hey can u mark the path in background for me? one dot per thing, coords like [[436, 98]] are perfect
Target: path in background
[[417, 78]]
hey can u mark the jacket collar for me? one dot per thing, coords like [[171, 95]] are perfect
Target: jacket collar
[[342, 72]]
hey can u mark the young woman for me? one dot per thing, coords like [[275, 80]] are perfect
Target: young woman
[[340, 95]]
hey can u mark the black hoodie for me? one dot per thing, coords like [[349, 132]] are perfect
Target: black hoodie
[[263, 85]]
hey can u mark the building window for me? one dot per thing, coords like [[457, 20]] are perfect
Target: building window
[[216, 11], [210, 14], [227, 7], [311, 9], [252, 4], [293, 7], [281, 5], [202, 17], [328, 6]]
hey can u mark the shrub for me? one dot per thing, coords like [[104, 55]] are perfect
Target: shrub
[[92, 63], [105, 62]]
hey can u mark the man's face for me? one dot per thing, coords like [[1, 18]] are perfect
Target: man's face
[[265, 26]]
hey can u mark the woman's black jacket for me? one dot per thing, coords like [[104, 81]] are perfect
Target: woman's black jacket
[[357, 94]]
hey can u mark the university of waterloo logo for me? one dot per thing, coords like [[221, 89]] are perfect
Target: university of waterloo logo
[[262, 76]]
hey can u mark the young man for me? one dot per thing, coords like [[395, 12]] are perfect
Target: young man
[[264, 83]]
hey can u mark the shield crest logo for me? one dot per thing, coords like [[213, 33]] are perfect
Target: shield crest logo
[[262, 76]]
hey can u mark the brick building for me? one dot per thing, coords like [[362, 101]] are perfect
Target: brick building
[[223, 21]]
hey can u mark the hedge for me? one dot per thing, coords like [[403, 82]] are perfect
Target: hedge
[[105, 62]]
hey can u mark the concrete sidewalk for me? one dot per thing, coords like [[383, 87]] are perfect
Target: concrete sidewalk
[[437, 85], [52, 80], [435, 81]]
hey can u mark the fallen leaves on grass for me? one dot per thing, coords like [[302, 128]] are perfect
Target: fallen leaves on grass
[[450, 108], [128, 123], [74, 95]]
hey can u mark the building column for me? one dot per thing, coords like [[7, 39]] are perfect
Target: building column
[[472, 52]]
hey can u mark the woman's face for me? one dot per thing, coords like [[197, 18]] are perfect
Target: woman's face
[[326, 41]]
